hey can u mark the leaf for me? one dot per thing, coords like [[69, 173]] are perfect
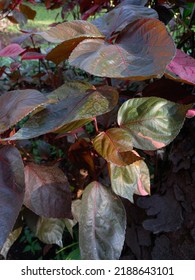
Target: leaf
[[118, 18], [50, 231], [13, 236], [32, 55], [11, 50], [182, 68], [190, 113], [71, 30], [129, 180], [76, 109], [166, 210], [141, 51], [152, 122], [74, 255], [47, 191], [17, 104], [115, 146], [27, 11], [102, 224], [11, 189]]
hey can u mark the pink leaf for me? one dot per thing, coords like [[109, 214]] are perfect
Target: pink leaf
[[182, 68], [32, 55], [12, 50], [190, 113]]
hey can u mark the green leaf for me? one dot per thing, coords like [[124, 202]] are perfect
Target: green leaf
[[12, 188], [50, 231], [129, 180], [47, 191], [115, 146], [152, 122], [17, 104], [77, 108], [74, 255], [102, 224], [141, 51]]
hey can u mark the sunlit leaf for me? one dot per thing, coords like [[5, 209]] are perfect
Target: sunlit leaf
[[17, 104], [115, 146], [129, 180], [50, 231], [76, 109], [124, 14], [102, 224], [182, 68], [47, 191], [13, 236], [71, 30], [141, 51], [11, 50], [152, 122], [11, 189]]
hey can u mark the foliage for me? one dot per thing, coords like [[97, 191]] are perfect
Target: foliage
[[74, 134]]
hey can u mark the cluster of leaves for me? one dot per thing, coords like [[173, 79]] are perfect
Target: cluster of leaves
[[97, 167]]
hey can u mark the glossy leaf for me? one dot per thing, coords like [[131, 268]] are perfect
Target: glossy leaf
[[11, 189], [11, 50], [71, 30], [118, 18], [76, 109], [17, 104], [129, 180], [115, 146], [141, 51], [50, 231], [102, 224], [152, 122], [182, 68], [47, 191]]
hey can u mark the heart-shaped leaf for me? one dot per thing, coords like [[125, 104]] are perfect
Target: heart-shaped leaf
[[115, 146], [50, 231], [129, 180], [11, 50], [47, 191], [152, 122], [11, 189], [118, 18], [76, 109], [182, 68], [141, 51], [102, 224], [17, 104]]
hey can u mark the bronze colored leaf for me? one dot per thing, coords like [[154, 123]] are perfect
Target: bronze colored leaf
[[47, 191], [11, 189], [17, 104], [118, 18], [141, 51], [28, 11], [115, 146], [77, 109], [71, 30]]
